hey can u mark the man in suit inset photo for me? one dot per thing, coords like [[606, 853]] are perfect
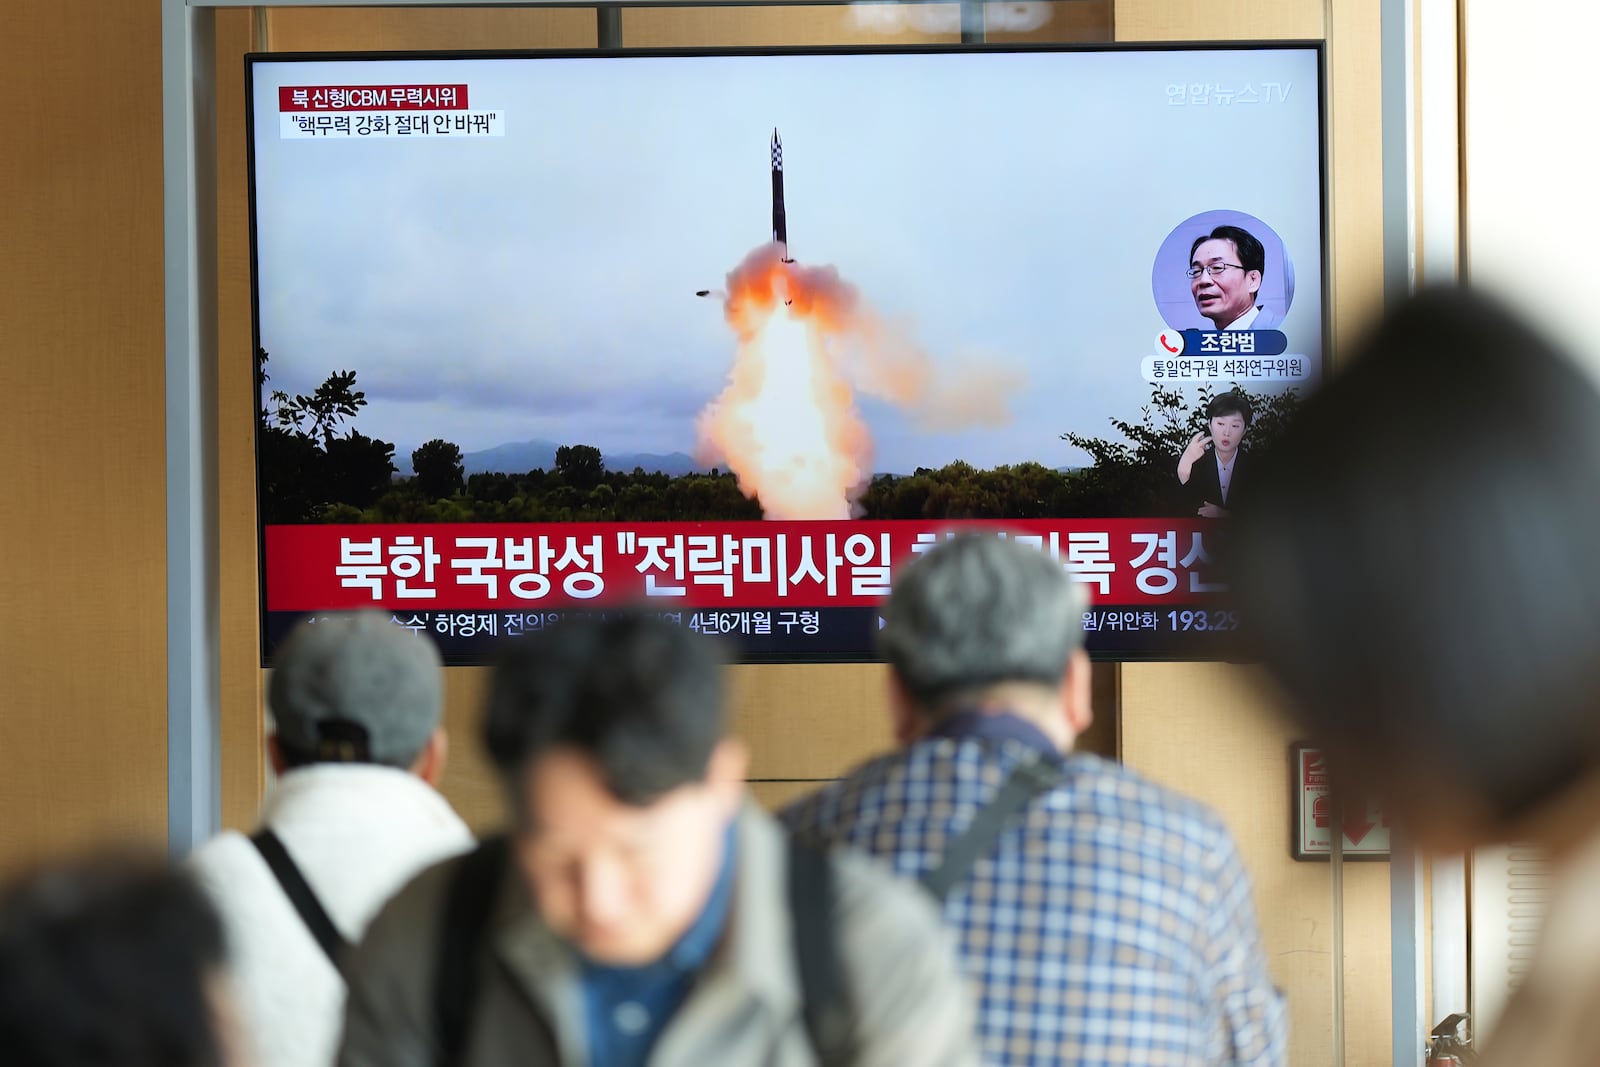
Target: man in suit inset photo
[[1208, 470], [1225, 271]]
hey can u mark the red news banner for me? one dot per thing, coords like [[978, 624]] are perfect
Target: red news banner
[[510, 566]]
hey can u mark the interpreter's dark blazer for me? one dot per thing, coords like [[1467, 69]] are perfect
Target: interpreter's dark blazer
[[1205, 484]]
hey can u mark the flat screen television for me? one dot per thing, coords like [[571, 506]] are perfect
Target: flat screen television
[[737, 334]]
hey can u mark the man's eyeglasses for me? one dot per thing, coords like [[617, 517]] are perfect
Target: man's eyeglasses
[[1212, 269]]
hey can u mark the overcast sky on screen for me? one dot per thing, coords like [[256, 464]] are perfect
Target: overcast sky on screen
[[540, 285]]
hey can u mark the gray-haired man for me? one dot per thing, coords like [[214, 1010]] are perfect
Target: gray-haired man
[[356, 701], [1102, 919]]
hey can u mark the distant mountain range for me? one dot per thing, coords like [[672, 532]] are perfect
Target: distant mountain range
[[522, 456]]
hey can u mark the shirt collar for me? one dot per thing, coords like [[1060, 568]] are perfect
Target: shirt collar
[[993, 726], [1245, 321], [319, 792]]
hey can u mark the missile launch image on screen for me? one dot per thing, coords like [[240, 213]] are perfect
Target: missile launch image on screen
[[788, 422], [915, 349]]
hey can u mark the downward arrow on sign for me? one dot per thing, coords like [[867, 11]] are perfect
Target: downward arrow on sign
[[1358, 827]]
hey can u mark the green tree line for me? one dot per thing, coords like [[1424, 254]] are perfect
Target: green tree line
[[315, 467]]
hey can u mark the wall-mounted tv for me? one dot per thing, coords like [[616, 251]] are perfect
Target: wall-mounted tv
[[738, 334]]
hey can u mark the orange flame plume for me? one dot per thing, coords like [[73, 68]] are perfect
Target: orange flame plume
[[787, 424]]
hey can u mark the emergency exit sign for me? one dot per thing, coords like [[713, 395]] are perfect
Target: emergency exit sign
[[1317, 817]]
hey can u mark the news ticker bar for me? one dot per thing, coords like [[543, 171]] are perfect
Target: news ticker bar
[[788, 634]]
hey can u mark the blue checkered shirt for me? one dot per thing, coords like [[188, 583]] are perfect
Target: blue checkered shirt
[[1112, 924]]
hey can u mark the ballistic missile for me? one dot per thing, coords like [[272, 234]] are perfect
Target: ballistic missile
[[780, 222]]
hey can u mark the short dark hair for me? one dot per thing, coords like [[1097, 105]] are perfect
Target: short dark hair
[[1230, 403], [979, 611], [105, 960], [1426, 588], [640, 695], [1252, 256]]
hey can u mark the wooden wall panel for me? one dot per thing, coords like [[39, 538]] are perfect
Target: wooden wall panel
[[774, 796], [469, 780], [1064, 20], [334, 29], [810, 721], [82, 535], [243, 761], [1219, 20], [1356, 164], [855, 24], [1103, 737], [756, 27]]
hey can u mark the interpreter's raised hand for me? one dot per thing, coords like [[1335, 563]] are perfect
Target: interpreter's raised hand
[[1197, 448], [1192, 455]]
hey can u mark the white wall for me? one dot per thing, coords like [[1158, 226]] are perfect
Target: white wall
[[1531, 152], [1532, 233]]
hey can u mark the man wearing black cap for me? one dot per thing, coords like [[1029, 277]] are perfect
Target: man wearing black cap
[[355, 702]]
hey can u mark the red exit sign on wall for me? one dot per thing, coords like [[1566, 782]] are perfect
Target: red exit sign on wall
[[1317, 814]]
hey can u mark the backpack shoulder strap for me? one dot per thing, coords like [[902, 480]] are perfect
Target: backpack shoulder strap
[[813, 907], [1027, 781], [469, 899], [301, 895]]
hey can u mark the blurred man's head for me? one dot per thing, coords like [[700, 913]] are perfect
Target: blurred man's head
[[1225, 269], [112, 961], [1228, 418], [1423, 575], [357, 688], [610, 737], [983, 623]]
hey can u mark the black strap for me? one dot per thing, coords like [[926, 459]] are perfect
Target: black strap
[[1024, 783], [812, 905], [468, 903], [300, 894]]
